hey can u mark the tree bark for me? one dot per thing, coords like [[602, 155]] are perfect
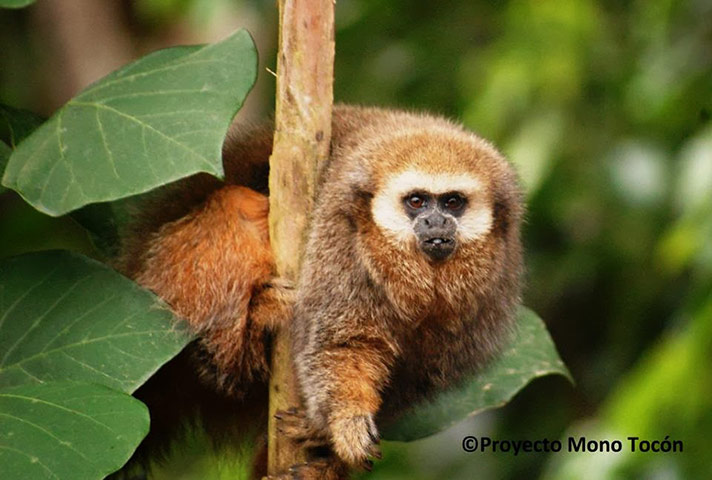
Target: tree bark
[[301, 145]]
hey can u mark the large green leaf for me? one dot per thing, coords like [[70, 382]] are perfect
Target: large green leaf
[[67, 431], [101, 222], [154, 121], [66, 317], [5, 152], [530, 354], [19, 123], [15, 3], [15, 125]]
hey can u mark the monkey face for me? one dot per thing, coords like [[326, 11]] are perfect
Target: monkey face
[[438, 212], [435, 221]]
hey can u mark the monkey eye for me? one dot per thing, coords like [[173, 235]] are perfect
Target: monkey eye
[[453, 202], [416, 201]]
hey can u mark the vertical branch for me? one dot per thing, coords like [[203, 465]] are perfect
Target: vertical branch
[[301, 144]]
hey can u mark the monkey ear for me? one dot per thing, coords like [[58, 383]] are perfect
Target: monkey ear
[[359, 178], [361, 186], [361, 199], [357, 198], [501, 213]]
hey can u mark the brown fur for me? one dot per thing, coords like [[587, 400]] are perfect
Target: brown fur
[[377, 326], [192, 263], [203, 246]]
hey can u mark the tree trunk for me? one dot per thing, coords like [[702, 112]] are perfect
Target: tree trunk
[[301, 144]]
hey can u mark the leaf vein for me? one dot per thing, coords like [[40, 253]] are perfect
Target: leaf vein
[[171, 66], [106, 100], [32, 459], [109, 154], [21, 297], [79, 344], [40, 428], [59, 407], [39, 319], [78, 319], [146, 126]]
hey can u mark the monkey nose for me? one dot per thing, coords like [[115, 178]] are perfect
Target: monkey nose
[[436, 220]]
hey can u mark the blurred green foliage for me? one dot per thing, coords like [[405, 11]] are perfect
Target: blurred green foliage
[[605, 109]]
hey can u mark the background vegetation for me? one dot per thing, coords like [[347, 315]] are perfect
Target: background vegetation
[[605, 108]]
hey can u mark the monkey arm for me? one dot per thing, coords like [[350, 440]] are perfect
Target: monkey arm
[[342, 383]]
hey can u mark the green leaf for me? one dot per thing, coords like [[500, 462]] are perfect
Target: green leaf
[[101, 223], [154, 121], [530, 354], [5, 152], [15, 3], [66, 317], [17, 124], [71, 431], [107, 222], [20, 123]]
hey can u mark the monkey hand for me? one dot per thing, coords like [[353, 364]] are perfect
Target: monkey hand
[[318, 469], [355, 440], [282, 285], [272, 304], [294, 424]]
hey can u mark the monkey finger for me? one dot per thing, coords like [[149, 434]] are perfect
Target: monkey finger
[[293, 424], [373, 432], [314, 470], [375, 452], [296, 468], [281, 283], [292, 412]]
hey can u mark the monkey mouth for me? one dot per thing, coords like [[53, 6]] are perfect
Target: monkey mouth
[[438, 241], [438, 248]]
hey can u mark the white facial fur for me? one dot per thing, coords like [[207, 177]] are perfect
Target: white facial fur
[[389, 215]]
